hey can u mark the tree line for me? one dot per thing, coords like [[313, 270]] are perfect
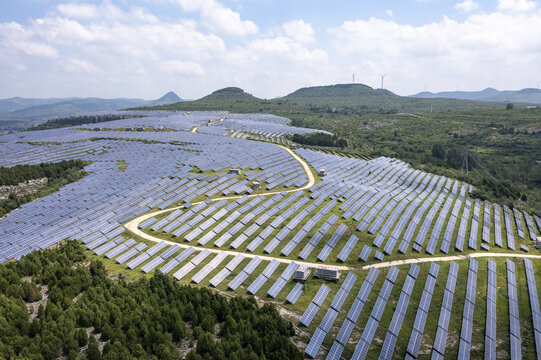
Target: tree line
[[81, 120], [320, 139], [149, 318], [58, 174], [16, 174]]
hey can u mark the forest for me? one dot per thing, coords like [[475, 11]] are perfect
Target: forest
[[57, 302], [320, 139], [58, 175], [81, 120]]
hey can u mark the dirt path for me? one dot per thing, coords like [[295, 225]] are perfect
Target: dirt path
[[132, 226]]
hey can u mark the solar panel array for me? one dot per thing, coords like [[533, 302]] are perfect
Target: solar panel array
[[286, 275], [328, 320], [534, 305], [490, 327], [422, 312], [254, 287], [464, 347], [514, 320], [361, 350], [389, 343], [440, 341], [159, 173], [353, 314], [314, 306], [243, 275]]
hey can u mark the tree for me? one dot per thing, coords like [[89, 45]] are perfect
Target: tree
[[93, 352], [438, 151], [82, 338], [509, 106]]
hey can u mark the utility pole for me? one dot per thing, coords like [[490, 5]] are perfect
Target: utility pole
[[353, 82]]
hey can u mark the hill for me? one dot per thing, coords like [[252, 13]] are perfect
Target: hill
[[230, 98], [350, 98], [359, 96], [528, 95], [33, 111], [169, 98]]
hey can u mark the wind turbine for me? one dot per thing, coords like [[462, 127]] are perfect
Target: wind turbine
[[382, 77], [353, 82]]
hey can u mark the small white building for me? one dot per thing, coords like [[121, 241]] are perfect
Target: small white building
[[302, 273], [234, 171], [256, 185], [327, 273], [321, 172]]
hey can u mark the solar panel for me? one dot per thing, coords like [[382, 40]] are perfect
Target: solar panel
[[321, 295], [154, 249], [365, 253], [315, 343], [295, 293], [126, 256], [166, 269], [218, 278], [336, 351], [200, 257], [232, 265], [138, 260], [238, 280], [257, 284], [309, 314], [183, 271], [271, 267], [328, 320], [148, 267], [346, 250]]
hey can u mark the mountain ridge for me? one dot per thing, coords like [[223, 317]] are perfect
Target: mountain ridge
[[526, 95], [33, 110]]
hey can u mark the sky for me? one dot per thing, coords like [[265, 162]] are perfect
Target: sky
[[269, 48]]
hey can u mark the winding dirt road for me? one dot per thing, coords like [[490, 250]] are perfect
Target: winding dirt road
[[132, 226]]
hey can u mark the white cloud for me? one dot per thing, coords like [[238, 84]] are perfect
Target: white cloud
[[114, 49], [16, 39], [516, 5], [494, 49], [78, 11], [389, 12], [299, 30], [181, 67], [79, 66], [467, 5], [219, 18]]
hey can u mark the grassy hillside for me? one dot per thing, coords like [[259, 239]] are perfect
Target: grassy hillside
[[362, 97]]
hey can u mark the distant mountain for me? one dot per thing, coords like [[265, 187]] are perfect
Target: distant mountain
[[38, 110], [18, 103], [528, 95], [169, 98]]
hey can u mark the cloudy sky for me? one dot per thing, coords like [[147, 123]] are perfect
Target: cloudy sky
[[144, 48]]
